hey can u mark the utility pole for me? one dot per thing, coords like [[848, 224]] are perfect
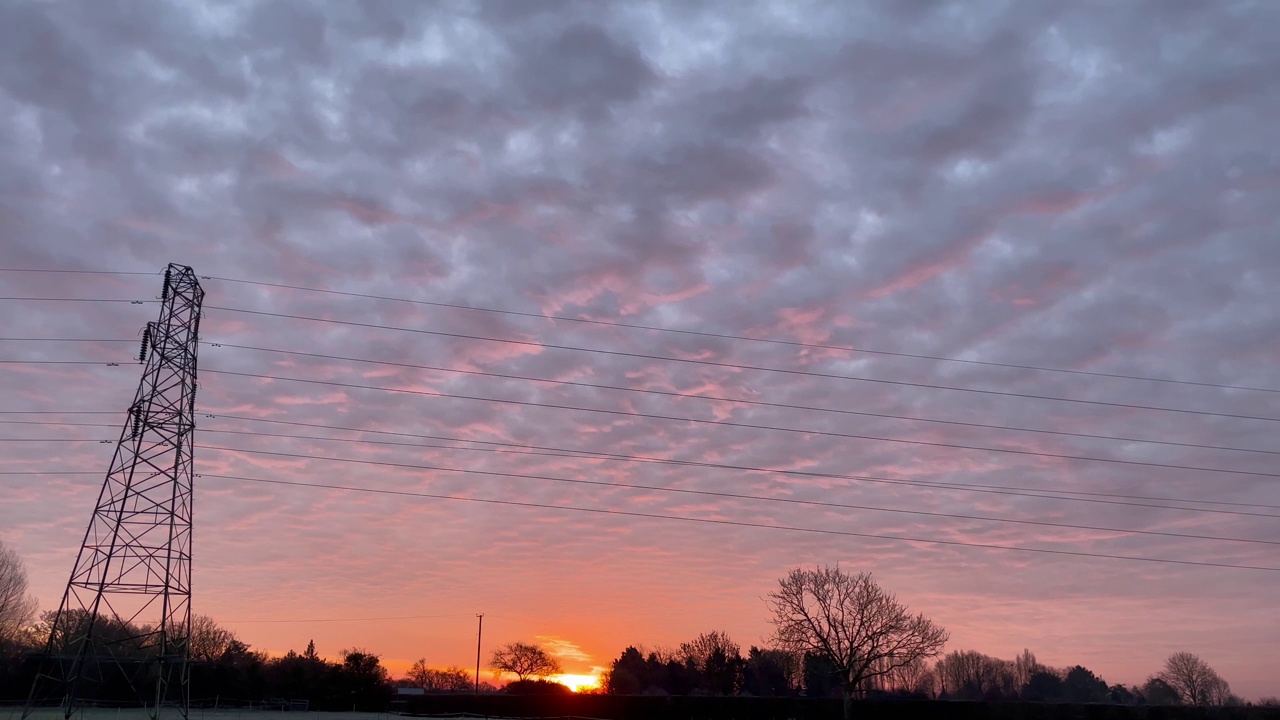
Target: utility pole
[[124, 624], [479, 631]]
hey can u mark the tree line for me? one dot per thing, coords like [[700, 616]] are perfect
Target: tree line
[[836, 634], [1185, 679], [841, 634], [223, 669]]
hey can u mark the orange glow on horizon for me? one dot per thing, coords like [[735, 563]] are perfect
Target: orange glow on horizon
[[577, 683]]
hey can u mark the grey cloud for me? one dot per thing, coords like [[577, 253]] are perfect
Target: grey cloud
[[744, 111], [698, 173], [582, 69], [1041, 185], [301, 26]]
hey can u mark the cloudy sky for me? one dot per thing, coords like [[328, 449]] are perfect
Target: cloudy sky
[[1088, 188]]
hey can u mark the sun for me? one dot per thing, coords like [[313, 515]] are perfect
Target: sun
[[577, 683]]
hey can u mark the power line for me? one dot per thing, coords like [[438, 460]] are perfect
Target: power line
[[743, 401], [336, 620], [772, 404], [59, 412], [53, 440], [809, 373], [740, 496], [737, 366], [727, 336], [77, 272], [745, 524], [696, 333], [91, 300], [1012, 490], [650, 391], [727, 423], [49, 472], [55, 423], [931, 484], [103, 363]]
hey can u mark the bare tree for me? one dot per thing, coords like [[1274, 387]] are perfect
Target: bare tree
[[454, 678], [1194, 681], [717, 660], [419, 675], [1024, 666], [451, 679], [524, 661], [915, 678], [210, 641], [17, 608], [699, 650], [972, 675], [1219, 692], [663, 654], [848, 620]]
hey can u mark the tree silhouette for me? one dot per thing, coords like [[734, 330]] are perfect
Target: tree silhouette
[[420, 675], [862, 631], [971, 675], [524, 661], [629, 675], [1194, 680], [210, 641], [1024, 666], [450, 679], [306, 676], [536, 687], [17, 608], [916, 679], [364, 678], [1082, 686], [717, 660], [820, 677], [770, 673], [701, 648], [1121, 695], [1158, 692], [1042, 686]]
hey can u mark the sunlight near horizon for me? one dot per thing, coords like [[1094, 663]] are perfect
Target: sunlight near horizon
[[577, 683]]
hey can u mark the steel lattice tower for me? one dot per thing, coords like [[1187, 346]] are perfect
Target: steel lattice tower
[[121, 634]]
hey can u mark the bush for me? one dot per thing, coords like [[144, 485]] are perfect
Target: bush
[[537, 687]]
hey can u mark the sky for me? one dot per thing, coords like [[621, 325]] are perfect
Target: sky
[[916, 204]]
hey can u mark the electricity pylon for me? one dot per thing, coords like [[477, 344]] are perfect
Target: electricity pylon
[[122, 633]]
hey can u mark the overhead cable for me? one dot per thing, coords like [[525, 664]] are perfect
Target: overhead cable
[[741, 496], [740, 366], [745, 524], [727, 423], [679, 331], [744, 401], [729, 336]]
